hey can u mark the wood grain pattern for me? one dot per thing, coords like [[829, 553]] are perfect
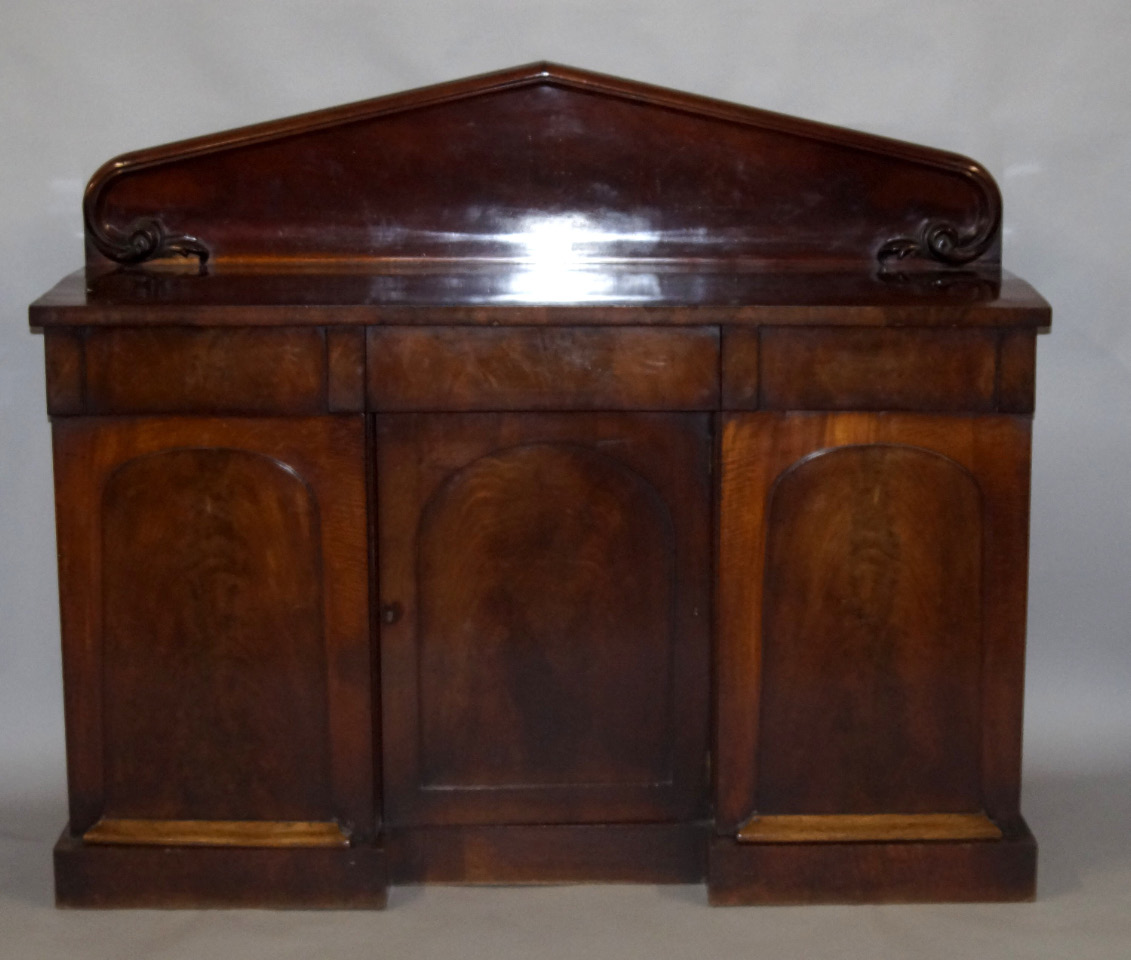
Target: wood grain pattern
[[551, 662], [345, 370], [63, 356], [219, 710], [1017, 368], [853, 828], [866, 369], [222, 672], [444, 368], [545, 660], [217, 833], [756, 450], [871, 635], [206, 371], [741, 369]]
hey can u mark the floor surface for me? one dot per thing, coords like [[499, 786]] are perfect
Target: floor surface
[[1083, 909]]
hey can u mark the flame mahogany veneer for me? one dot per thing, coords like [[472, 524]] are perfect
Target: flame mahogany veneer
[[542, 477]]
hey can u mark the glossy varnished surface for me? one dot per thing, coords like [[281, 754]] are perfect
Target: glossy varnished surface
[[871, 635], [552, 294], [538, 162], [229, 540], [544, 614], [214, 619], [817, 368], [414, 458], [142, 370], [304, 370], [521, 658], [531, 368], [798, 644]]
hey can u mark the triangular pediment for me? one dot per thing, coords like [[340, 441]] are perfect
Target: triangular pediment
[[543, 161]]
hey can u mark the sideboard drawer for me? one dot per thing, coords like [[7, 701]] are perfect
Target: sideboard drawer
[[209, 370], [867, 368], [534, 368]]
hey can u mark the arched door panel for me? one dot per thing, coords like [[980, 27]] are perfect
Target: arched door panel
[[215, 623], [544, 584], [871, 625]]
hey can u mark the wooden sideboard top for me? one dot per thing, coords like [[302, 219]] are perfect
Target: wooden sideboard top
[[502, 294]]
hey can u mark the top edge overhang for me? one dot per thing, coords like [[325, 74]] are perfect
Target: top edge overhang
[[500, 295]]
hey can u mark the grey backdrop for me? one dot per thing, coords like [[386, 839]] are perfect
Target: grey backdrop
[[1039, 91]]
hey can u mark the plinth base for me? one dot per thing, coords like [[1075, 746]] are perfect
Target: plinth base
[[895, 872], [93, 875]]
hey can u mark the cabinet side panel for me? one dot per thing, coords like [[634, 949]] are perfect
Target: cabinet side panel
[[871, 639], [215, 676], [80, 613]]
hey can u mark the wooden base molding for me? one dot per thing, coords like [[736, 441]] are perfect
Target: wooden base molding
[[854, 828], [609, 853], [899, 872], [218, 833], [104, 875]]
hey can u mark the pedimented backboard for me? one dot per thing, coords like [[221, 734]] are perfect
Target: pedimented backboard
[[538, 162]]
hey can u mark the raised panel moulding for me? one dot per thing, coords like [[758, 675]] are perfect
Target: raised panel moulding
[[871, 654], [230, 541]]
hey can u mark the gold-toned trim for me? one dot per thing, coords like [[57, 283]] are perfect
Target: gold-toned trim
[[217, 833], [849, 828]]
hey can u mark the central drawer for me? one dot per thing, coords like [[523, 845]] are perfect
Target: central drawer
[[535, 368]]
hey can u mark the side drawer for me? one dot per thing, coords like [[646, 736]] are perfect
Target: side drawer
[[133, 370], [830, 368], [535, 368]]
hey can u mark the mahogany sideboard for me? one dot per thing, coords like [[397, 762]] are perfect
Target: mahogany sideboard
[[542, 477]]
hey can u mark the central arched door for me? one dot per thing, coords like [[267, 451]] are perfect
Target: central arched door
[[544, 590]]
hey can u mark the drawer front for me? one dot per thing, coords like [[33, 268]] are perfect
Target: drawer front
[[182, 370], [532, 368], [860, 369]]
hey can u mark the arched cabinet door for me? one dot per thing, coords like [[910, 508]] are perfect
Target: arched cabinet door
[[872, 602], [215, 629], [544, 585]]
